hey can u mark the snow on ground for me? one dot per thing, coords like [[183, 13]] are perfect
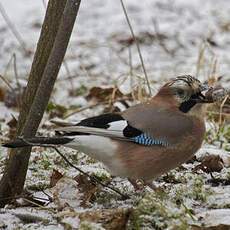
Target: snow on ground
[[176, 37]]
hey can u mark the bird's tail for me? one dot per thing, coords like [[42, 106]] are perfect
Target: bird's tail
[[25, 142]]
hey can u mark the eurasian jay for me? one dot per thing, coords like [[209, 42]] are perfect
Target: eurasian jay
[[147, 139]]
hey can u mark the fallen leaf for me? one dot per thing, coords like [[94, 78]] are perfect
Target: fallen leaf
[[66, 194], [146, 38], [13, 127], [55, 177], [87, 189], [112, 219], [210, 163], [104, 94]]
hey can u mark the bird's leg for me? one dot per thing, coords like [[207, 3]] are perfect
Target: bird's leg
[[136, 184], [140, 184], [151, 185], [212, 176]]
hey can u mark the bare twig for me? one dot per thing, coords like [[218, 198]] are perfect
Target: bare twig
[[218, 113], [221, 109], [131, 73], [13, 28], [14, 59], [82, 109], [213, 70], [130, 63], [78, 110], [17, 80], [92, 178], [6, 82], [15, 70], [122, 59], [23, 197], [8, 65], [44, 4], [36, 204], [138, 46], [200, 59], [65, 65]]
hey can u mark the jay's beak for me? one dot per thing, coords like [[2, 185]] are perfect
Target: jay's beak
[[204, 87], [200, 97]]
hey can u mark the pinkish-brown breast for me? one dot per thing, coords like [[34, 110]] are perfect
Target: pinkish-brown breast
[[140, 162]]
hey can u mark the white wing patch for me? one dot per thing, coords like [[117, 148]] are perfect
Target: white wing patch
[[118, 125]]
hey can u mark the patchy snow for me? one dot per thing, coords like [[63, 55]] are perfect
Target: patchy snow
[[173, 34], [215, 218], [95, 49]]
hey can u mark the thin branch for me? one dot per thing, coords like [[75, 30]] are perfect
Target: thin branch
[[221, 109], [218, 113], [78, 110], [44, 4], [13, 28], [200, 59], [8, 65], [15, 70], [92, 178], [17, 80], [65, 65], [36, 204], [6, 82], [23, 197], [131, 72], [138, 46]]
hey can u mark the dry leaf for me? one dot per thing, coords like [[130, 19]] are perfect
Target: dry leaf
[[210, 163], [104, 94], [13, 127], [66, 194], [87, 188], [112, 219], [55, 177]]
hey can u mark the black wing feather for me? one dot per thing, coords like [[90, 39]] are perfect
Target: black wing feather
[[102, 121]]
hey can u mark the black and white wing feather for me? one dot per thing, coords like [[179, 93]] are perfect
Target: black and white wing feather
[[110, 125], [94, 131]]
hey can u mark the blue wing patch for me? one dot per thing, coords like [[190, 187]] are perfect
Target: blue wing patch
[[144, 139]]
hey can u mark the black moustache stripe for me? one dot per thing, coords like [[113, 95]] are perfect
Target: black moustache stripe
[[187, 105]]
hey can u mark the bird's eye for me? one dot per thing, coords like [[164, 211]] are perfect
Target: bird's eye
[[180, 92]]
